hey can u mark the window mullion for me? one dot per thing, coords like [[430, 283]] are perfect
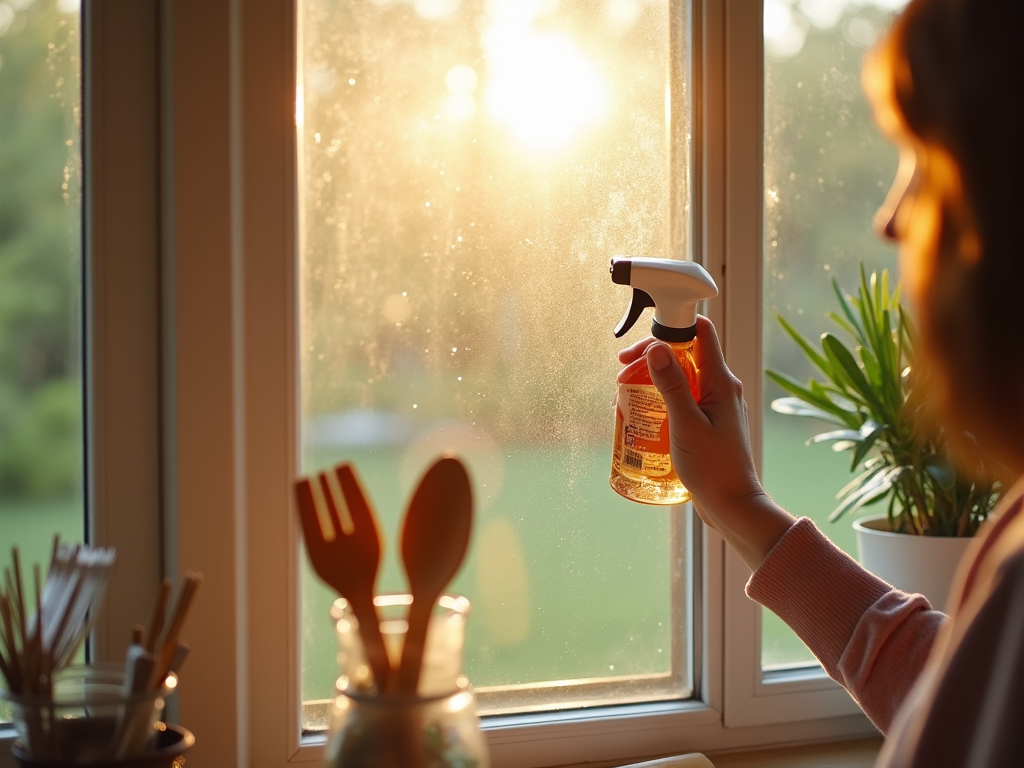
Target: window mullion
[[204, 519], [750, 700], [267, 225], [121, 308]]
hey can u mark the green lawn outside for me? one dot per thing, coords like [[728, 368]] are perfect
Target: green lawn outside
[[595, 598], [593, 595], [567, 579], [31, 525]]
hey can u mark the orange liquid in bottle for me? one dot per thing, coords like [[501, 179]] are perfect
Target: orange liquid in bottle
[[641, 462]]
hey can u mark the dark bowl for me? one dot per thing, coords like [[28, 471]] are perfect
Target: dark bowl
[[171, 744]]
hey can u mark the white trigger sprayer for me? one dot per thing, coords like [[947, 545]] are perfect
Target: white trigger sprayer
[[641, 462]]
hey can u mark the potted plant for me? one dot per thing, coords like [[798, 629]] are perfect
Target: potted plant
[[875, 402]]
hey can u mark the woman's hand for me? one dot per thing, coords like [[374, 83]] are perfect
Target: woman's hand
[[710, 444]]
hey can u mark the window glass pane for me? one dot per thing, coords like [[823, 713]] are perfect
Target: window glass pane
[[467, 169], [827, 169], [41, 461]]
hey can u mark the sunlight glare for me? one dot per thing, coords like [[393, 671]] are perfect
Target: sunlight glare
[[460, 105], [621, 15], [461, 79], [542, 87], [434, 10]]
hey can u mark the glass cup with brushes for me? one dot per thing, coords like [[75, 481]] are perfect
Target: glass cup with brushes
[[641, 463]]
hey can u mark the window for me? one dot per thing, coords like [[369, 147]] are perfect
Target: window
[[199, 249], [466, 173], [41, 400], [827, 169]]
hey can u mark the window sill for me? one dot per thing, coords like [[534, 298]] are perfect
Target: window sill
[[855, 753], [860, 753]]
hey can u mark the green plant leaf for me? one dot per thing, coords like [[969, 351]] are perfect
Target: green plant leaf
[[847, 312], [871, 491], [818, 400], [794, 406], [847, 405], [871, 367], [876, 294], [842, 359], [896, 473], [887, 353], [869, 487], [871, 429], [838, 434], [842, 323], [941, 471], [859, 480], [831, 393], [869, 433], [819, 360], [871, 498], [869, 309]]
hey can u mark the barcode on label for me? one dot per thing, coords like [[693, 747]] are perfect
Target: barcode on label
[[633, 459]]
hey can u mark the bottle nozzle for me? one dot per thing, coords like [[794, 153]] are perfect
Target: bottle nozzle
[[672, 287], [620, 270]]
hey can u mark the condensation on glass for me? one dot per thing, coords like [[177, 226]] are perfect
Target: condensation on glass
[[467, 169], [827, 168]]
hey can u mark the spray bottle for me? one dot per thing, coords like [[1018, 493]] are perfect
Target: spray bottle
[[641, 463]]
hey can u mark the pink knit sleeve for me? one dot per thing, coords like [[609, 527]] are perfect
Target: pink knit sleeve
[[869, 637]]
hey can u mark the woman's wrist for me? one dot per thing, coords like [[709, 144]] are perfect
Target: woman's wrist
[[754, 526]]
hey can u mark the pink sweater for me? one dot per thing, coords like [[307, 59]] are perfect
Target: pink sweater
[[945, 691]]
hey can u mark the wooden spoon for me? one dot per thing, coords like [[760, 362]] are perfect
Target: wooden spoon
[[435, 536]]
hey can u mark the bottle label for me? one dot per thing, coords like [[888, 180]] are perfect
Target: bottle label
[[644, 436]]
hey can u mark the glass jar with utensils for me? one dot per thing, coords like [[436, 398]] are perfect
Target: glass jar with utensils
[[89, 717], [434, 727]]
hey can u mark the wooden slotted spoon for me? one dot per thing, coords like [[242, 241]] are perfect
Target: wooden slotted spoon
[[349, 563], [435, 536]]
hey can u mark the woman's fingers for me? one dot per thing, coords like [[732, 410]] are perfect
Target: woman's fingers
[[707, 352], [671, 381], [711, 446], [635, 351]]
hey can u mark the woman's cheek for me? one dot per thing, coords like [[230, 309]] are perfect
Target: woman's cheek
[[919, 248]]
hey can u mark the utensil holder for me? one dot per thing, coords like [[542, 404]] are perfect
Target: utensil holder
[[88, 717], [437, 728]]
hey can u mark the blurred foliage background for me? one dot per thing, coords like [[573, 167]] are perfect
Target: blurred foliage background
[[41, 447], [40, 266]]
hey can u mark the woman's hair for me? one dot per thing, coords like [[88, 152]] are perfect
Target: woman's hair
[[950, 78]]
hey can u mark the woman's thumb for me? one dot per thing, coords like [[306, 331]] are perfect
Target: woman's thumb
[[668, 377]]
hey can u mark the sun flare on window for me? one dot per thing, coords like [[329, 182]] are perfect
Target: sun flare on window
[[543, 88]]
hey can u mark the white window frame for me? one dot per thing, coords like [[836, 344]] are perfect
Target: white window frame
[[191, 250]]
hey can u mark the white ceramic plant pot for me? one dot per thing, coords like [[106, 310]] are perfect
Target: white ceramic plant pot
[[923, 564]]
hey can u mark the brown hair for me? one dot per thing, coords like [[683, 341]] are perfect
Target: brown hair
[[950, 77]]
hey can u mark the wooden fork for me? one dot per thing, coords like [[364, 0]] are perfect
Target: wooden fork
[[350, 561]]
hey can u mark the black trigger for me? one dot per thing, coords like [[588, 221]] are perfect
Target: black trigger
[[641, 301]]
